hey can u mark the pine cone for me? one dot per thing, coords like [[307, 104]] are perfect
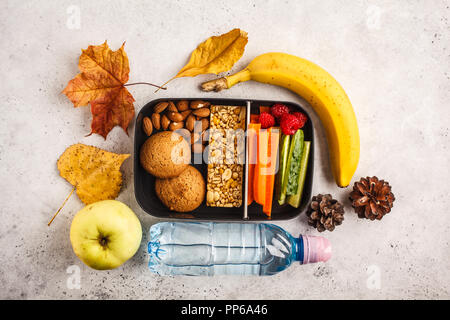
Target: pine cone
[[325, 213], [372, 198]]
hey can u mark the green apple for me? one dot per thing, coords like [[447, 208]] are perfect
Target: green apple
[[105, 234]]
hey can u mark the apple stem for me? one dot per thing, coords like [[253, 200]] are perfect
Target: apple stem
[[103, 241], [73, 189]]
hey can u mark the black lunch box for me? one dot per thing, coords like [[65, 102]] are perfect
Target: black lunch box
[[144, 183]]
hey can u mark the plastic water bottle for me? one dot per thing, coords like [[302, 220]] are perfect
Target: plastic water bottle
[[208, 248]]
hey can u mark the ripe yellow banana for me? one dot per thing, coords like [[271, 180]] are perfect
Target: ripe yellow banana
[[321, 90]]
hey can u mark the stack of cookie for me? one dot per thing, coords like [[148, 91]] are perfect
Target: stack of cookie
[[167, 156]]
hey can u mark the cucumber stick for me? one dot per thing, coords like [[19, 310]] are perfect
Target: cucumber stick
[[284, 152], [294, 169], [294, 200], [294, 145]]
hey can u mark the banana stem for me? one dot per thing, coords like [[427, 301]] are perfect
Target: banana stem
[[241, 76], [214, 85], [226, 82]]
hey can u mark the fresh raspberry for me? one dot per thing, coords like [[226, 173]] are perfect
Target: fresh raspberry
[[278, 110], [266, 120], [289, 124], [302, 117]]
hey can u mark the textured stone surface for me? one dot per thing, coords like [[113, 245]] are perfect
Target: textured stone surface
[[393, 59]]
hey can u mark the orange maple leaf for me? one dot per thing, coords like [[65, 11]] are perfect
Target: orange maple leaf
[[103, 74]]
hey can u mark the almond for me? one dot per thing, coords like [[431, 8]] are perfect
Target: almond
[[182, 105], [156, 121], [172, 107], [160, 107], [194, 138], [198, 125], [176, 125], [190, 121], [147, 126], [185, 113], [205, 136], [205, 124], [165, 122], [197, 104], [174, 116], [202, 112], [185, 134], [198, 148]]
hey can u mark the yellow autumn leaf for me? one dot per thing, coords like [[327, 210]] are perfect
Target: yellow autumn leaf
[[215, 55], [95, 173]]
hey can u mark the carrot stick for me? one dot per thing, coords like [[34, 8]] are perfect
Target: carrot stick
[[274, 138], [264, 109], [260, 181], [253, 129]]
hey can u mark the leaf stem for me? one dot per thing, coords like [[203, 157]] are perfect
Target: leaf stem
[[73, 189], [147, 83], [162, 87]]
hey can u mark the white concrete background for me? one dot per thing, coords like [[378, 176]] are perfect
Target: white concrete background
[[393, 59]]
